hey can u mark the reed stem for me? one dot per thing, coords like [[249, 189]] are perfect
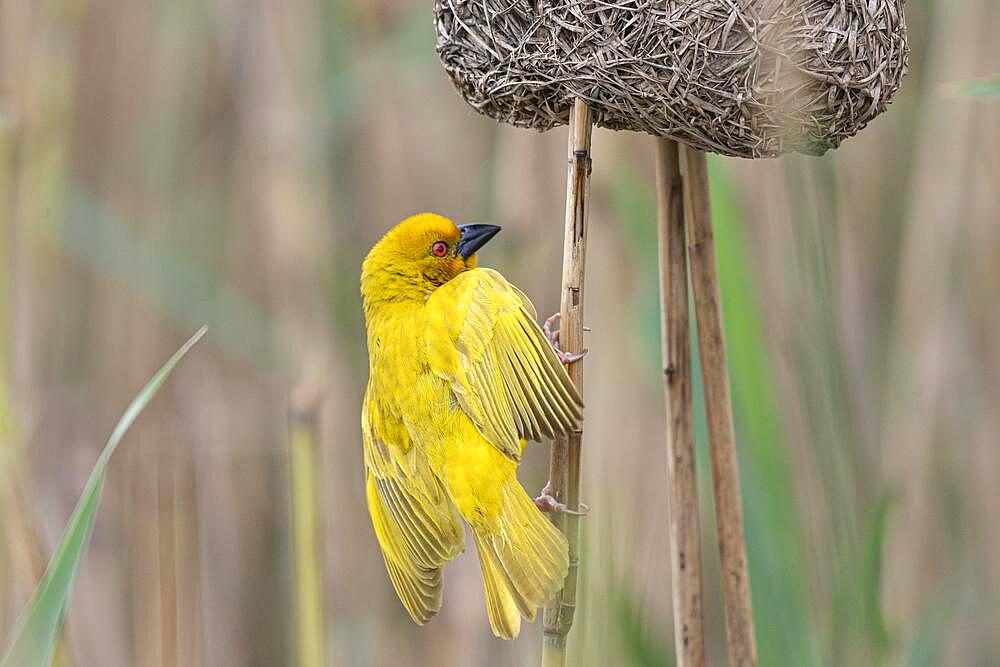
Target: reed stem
[[564, 464], [309, 621], [718, 408], [685, 534]]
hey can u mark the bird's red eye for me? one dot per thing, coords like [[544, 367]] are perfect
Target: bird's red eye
[[439, 249]]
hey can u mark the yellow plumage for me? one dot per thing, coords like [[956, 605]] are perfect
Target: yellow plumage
[[460, 376]]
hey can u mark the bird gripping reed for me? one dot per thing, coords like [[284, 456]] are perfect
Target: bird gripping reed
[[461, 376]]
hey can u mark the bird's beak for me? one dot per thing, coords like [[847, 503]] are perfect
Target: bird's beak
[[474, 237]]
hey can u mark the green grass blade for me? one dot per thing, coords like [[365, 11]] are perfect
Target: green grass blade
[[872, 574], [36, 630]]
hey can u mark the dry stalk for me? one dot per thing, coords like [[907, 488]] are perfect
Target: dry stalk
[[685, 534], [718, 408], [564, 465], [307, 540]]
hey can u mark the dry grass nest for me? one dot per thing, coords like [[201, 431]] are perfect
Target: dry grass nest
[[748, 78]]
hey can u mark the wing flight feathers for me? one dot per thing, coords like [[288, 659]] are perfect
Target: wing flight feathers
[[502, 369]]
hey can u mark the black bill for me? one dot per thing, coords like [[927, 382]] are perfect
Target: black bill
[[474, 237]]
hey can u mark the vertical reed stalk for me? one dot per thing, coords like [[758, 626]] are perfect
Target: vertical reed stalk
[[718, 408], [564, 465], [306, 540], [685, 534]]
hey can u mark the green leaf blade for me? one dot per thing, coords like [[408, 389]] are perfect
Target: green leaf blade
[[36, 630]]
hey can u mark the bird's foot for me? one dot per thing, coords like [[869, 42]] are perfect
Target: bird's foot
[[547, 503], [553, 336]]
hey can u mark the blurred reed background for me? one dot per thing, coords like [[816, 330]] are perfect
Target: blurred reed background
[[164, 164]]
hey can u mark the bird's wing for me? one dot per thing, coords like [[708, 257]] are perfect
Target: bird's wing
[[484, 340], [416, 524]]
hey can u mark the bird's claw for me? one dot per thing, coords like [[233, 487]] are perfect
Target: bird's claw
[[570, 357], [553, 336], [547, 503]]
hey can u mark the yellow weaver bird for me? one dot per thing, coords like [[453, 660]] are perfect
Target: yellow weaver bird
[[461, 376]]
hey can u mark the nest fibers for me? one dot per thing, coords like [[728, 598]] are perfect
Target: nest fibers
[[749, 78]]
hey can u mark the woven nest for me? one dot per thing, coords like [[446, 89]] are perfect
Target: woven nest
[[748, 78]]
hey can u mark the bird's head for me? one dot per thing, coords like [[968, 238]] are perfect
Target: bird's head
[[420, 254]]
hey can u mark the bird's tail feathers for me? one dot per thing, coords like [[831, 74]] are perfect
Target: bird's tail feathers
[[524, 563]]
